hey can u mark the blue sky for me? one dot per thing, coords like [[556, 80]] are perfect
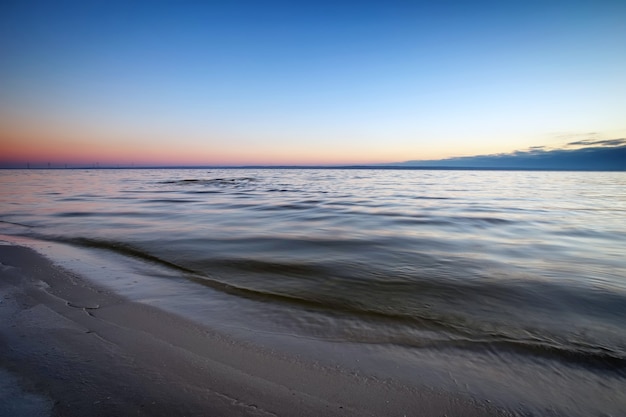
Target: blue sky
[[306, 82]]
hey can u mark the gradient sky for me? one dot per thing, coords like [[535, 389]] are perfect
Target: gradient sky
[[263, 82]]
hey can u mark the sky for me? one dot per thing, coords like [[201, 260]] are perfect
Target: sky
[[305, 83]]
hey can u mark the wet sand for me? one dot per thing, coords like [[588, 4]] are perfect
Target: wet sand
[[76, 349]]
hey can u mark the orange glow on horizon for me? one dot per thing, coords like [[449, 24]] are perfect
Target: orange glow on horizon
[[43, 141], [23, 142], [22, 146]]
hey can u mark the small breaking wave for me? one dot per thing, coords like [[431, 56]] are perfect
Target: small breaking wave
[[445, 307], [220, 182]]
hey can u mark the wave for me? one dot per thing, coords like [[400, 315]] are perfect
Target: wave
[[471, 315], [101, 214], [212, 181], [171, 200], [590, 357], [17, 224], [123, 249]]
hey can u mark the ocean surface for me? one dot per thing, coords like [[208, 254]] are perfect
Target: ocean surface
[[507, 286]]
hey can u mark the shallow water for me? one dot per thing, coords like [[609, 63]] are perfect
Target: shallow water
[[488, 276]]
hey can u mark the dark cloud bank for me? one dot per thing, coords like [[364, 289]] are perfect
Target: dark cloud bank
[[595, 155]]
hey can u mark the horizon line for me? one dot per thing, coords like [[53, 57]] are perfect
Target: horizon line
[[381, 166]]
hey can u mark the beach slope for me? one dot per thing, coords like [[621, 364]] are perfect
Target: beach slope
[[80, 350]]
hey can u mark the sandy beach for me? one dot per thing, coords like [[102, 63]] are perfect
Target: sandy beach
[[75, 349]]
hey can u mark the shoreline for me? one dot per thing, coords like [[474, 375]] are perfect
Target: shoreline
[[93, 352]]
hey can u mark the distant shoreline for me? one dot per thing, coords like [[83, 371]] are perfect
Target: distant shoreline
[[346, 167]]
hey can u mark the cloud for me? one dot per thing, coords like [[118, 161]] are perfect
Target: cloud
[[579, 136], [607, 142]]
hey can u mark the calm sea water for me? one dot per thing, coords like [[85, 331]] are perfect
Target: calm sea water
[[503, 284]]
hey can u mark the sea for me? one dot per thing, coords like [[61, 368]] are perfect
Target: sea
[[502, 286]]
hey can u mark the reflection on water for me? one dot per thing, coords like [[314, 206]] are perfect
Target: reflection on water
[[524, 265]]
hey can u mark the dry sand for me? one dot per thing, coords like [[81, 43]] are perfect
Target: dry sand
[[71, 348]]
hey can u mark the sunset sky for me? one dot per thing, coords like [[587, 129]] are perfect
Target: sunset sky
[[264, 82]]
